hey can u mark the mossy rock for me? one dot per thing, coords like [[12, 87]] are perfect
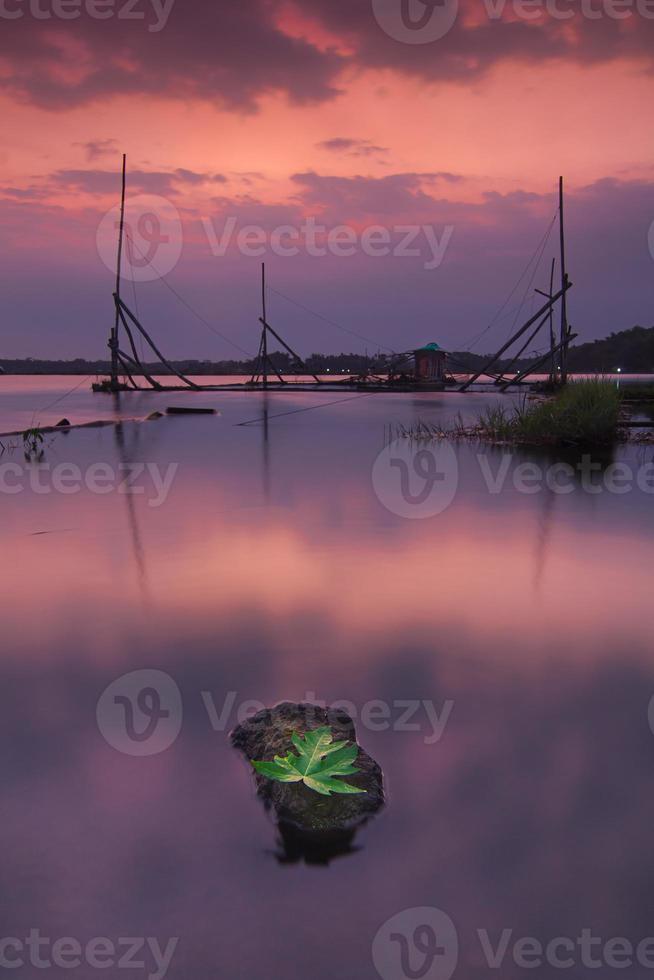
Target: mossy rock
[[310, 824]]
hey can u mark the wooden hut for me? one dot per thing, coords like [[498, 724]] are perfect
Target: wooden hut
[[430, 363]]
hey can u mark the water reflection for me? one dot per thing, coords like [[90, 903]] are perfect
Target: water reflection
[[292, 851], [265, 452], [530, 612], [138, 551], [542, 538]]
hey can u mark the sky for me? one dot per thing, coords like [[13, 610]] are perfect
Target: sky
[[394, 163]]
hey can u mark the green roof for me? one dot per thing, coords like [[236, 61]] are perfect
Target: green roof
[[432, 346]]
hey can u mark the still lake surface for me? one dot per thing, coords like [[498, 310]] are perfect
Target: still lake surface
[[281, 563]]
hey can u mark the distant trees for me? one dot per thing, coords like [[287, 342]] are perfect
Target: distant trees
[[631, 350], [320, 363]]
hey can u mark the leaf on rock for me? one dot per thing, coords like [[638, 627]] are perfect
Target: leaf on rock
[[319, 761]]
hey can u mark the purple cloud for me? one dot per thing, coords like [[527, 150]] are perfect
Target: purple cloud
[[353, 147], [228, 53], [95, 149], [107, 182], [354, 198], [234, 54]]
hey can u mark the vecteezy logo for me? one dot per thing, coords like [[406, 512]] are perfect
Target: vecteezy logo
[[416, 944], [416, 481], [152, 242], [416, 21], [650, 714], [140, 713]]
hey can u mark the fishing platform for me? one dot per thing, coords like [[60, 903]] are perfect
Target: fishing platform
[[425, 369]]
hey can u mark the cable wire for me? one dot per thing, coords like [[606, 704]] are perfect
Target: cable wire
[[541, 246], [325, 319], [195, 313]]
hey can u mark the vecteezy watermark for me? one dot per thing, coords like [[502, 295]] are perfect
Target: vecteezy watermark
[[400, 715], [341, 241], [416, 943], [99, 953], [147, 480], [564, 952], [427, 21], [154, 13], [152, 238], [424, 943], [565, 10], [141, 712], [650, 714], [418, 480], [416, 21]]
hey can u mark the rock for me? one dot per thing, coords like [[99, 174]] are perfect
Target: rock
[[311, 826], [63, 422]]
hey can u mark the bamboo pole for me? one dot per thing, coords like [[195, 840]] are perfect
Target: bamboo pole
[[135, 359], [537, 316], [532, 367], [552, 334], [527, 343], [565, 339], [113, 340], [549, 295], [264, 339], [292, 353], [143, 331]]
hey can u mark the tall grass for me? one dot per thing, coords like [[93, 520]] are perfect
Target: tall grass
[[583, 413]]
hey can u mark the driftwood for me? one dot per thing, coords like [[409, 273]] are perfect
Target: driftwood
[[176, 410]]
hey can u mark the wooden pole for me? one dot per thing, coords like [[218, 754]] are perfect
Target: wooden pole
[[125, 309], [552, 334], [528, 341], [564, 339], [293, 354], [264, 339], [113, 340], [553, 344], [523, 330], [533, 367]]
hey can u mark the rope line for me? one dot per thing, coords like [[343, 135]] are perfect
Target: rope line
[[47, 408], [541, 245], [325, 319], [130, 245], [195, 313], [309, 408], [539, 259]]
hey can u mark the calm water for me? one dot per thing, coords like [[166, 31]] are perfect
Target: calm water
[[276, 561]]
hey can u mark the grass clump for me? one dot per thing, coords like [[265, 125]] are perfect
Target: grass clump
[[582, 413]]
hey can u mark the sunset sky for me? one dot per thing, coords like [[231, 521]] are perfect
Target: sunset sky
[[266, 114]]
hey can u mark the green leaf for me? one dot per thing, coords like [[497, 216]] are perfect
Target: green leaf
[[313, 747], [283, 774], [318, 762], [326, 785]]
